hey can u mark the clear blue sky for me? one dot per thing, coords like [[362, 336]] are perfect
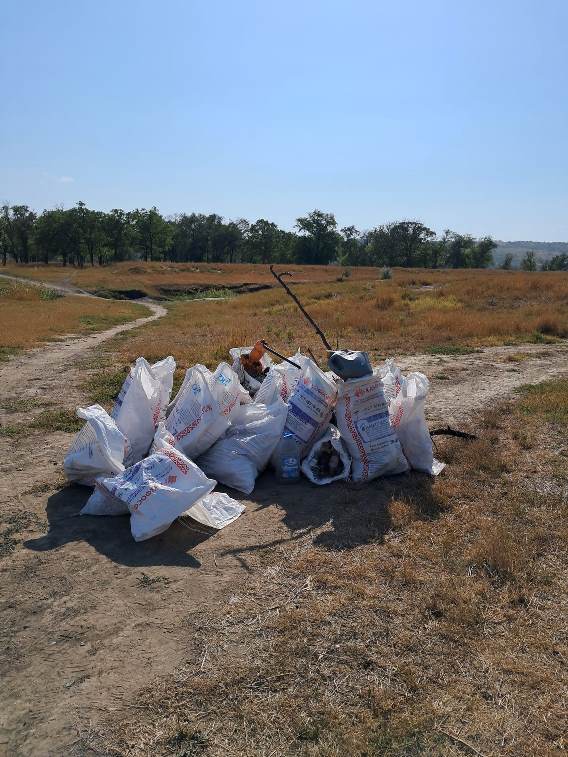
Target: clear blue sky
[[451, 111]]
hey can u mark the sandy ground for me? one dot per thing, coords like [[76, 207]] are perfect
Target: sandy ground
[[87, 616]]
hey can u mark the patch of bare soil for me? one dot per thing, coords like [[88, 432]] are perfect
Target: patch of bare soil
[[88, 617]]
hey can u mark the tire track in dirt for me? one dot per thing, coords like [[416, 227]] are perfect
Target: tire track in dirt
[[463, 385]]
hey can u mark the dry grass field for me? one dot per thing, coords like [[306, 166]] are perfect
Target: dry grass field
[[428, 622], [30, 315], [415, 311], [152, 277], [412, 616]]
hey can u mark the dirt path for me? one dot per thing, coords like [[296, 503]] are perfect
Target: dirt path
[[62, 288], [87, 616]]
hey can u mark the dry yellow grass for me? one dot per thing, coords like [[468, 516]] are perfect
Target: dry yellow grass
[[150, 277], [425, 618], [30, 315], [407, 314]]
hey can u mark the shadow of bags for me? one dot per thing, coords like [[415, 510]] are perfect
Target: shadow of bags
[[342, 515], [110, 535]]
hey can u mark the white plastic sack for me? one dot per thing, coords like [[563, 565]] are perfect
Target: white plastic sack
[[310, 407], [215, 510], [164, 371], [204, 408], [97, 450], [251, 384], [161, 437], [100, 503], [271, 388], [237, 459], [408, 419], [138, 409], [157, 490], [392, 379], [290, 375], [363, 421], [309, 465]]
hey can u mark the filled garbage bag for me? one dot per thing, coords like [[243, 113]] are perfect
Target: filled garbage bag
[[97, 450], [408, 419], [271, 388], [204, 407], [310, 407], [141, 404], [328, 459], [282, 378], [157, 490], [238, 457], [249, 382], [164, 371], [363, 421], [101, 503]]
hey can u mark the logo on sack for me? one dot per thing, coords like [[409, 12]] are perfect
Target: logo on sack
[[362, 390], [193, 425], [171, 480], [176, 460], [395, 422], [151, 489], [156, 413], [196, 389]]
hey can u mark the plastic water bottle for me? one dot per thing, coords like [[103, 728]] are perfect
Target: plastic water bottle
[[288, 463]]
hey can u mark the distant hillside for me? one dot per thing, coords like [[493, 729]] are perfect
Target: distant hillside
[[542, 251]]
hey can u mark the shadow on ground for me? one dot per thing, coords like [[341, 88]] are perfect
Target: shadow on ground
[[341, 515], [111, 535]]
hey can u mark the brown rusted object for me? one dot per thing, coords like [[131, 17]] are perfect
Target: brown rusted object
[[251, 362]]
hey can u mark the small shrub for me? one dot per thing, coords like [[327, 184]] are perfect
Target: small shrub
[[551, 327], [449, 349], [386, 274], [384, 301], [49, 294], [57, 420], [104, 386]]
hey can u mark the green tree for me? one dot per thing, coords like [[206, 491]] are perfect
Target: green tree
[[318, 240], [507, 263], [482, 252], [48, 234], [528, 263], [57, 232], [458, 249], [117, 233], [262, 241], [409, 239], [152, 233], [4, 240], [402, 243], [91, 228], [557, 263], [351, 248], [21, 221]]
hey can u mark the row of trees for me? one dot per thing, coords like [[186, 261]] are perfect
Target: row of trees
[[79, 235], [530, 263]]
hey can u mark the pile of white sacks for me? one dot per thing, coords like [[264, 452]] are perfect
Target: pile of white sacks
[[158, 460]]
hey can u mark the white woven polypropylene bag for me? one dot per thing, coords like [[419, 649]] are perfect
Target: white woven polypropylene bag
[[363, 420]]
